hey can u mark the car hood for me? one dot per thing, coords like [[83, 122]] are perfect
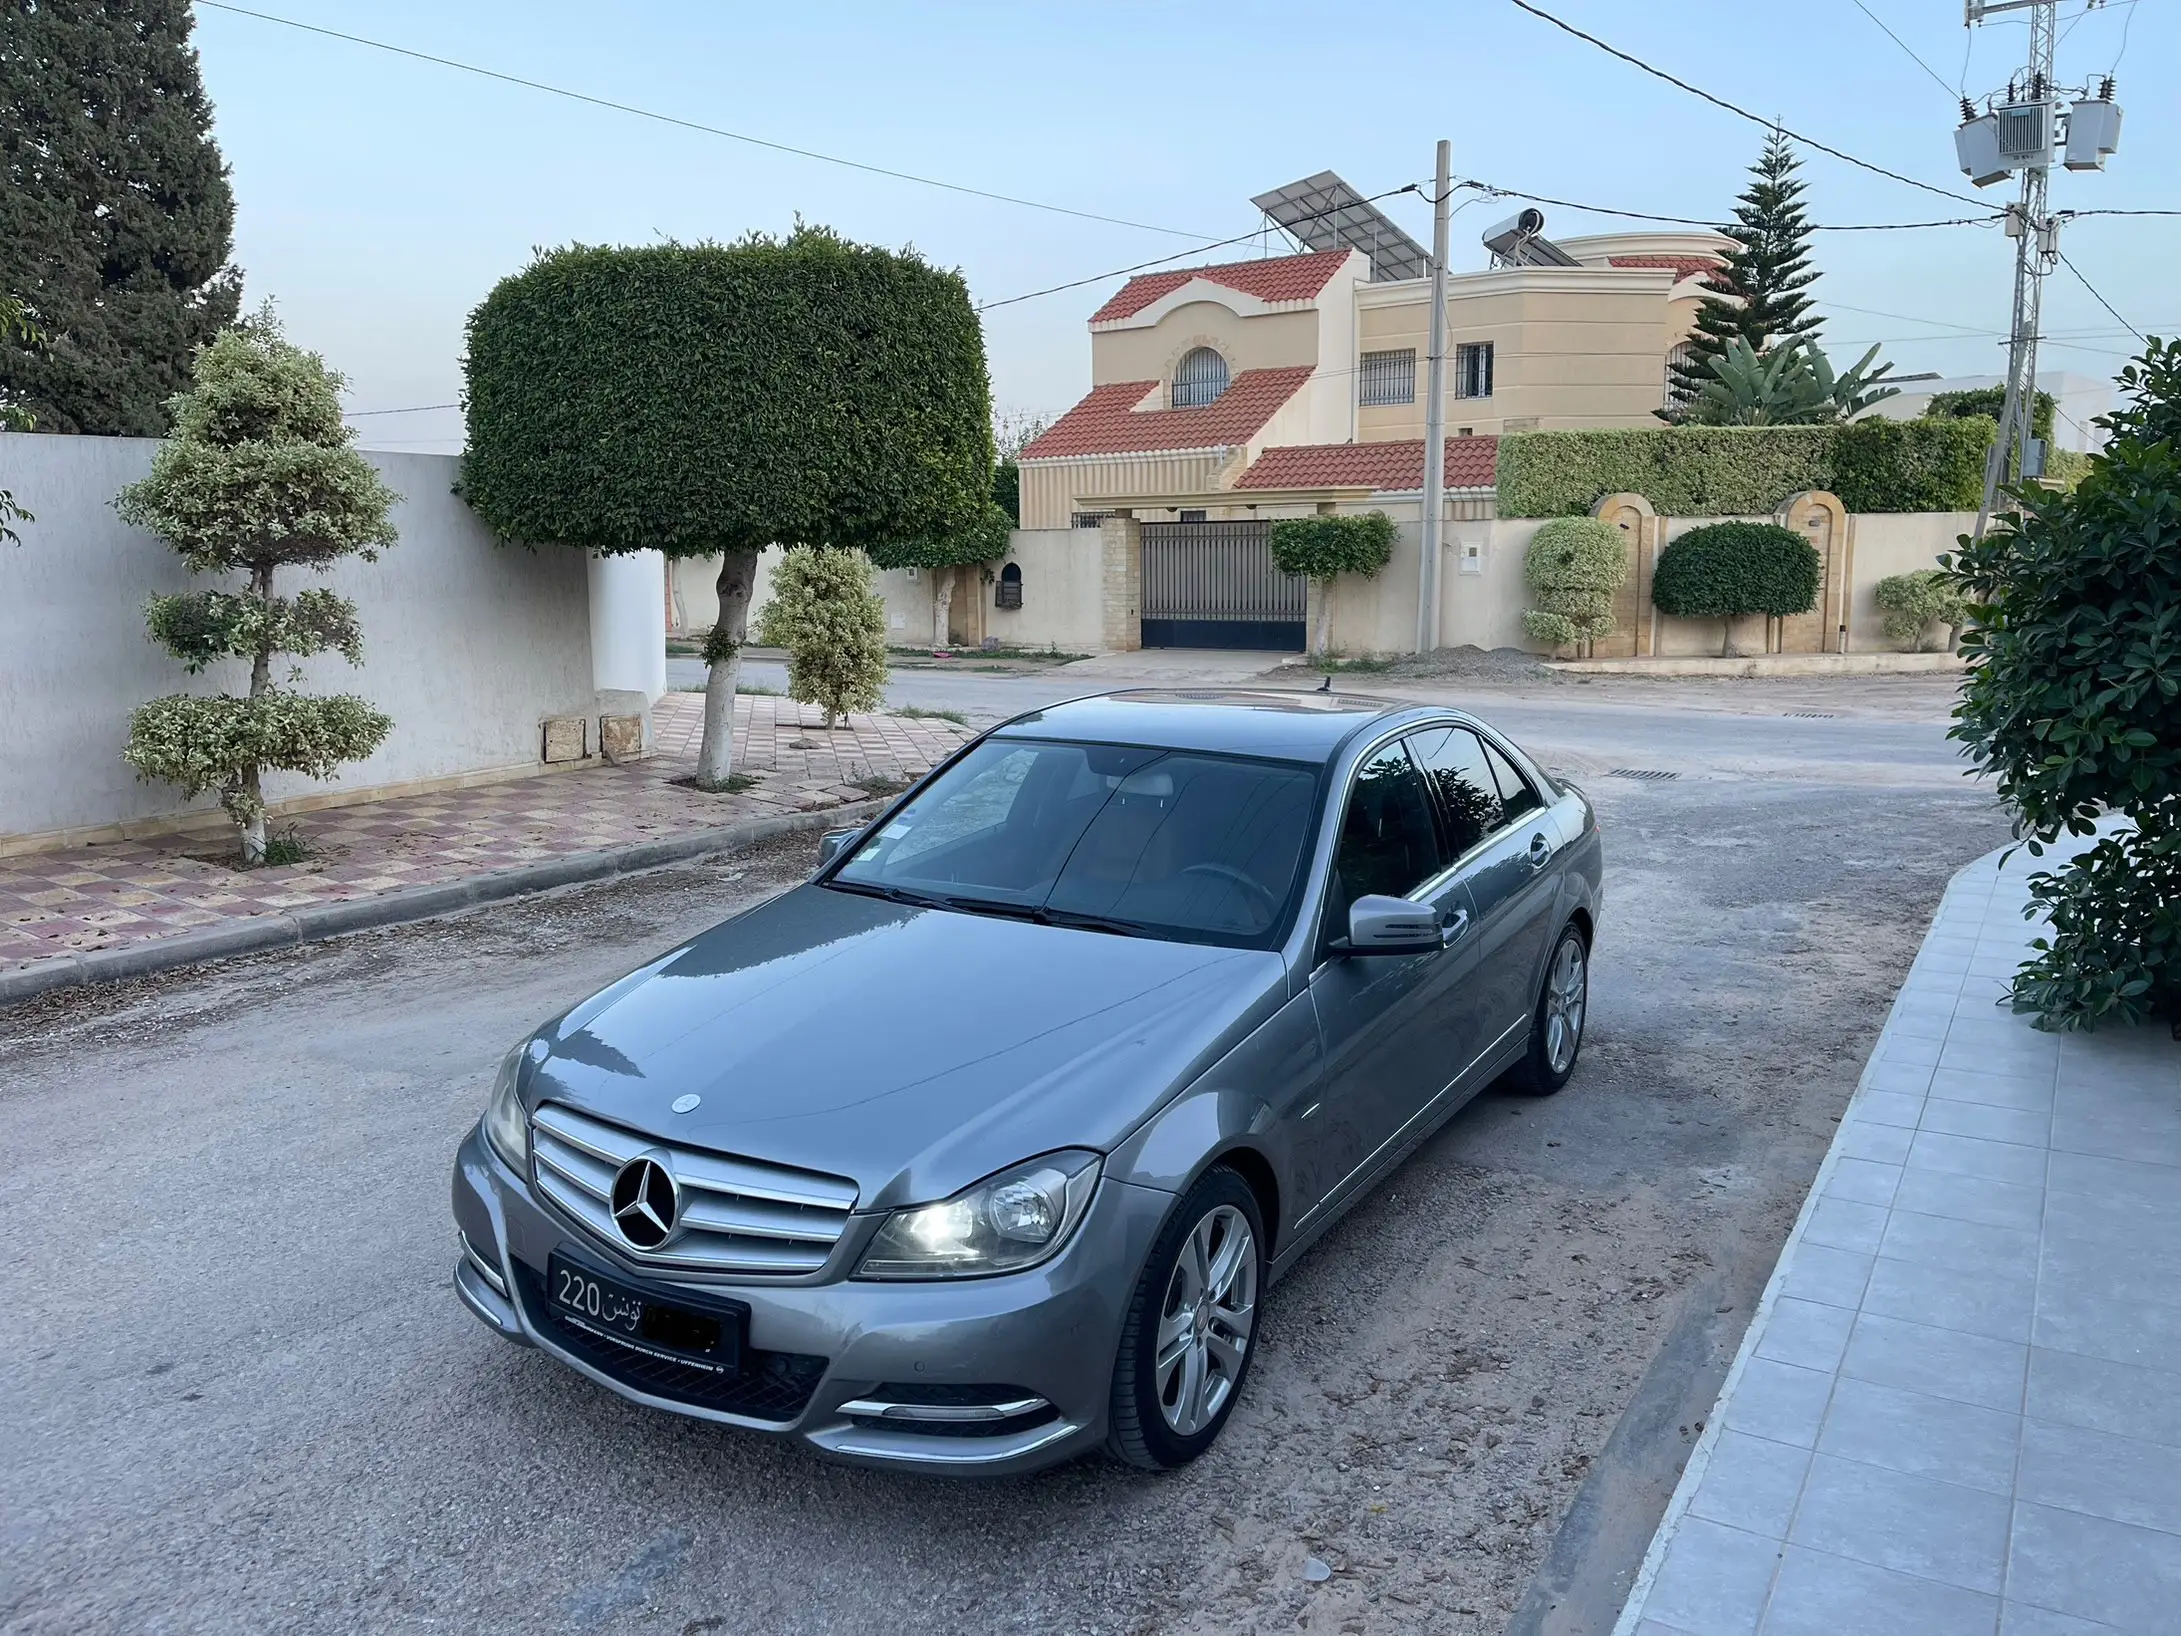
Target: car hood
[[912, 1050]]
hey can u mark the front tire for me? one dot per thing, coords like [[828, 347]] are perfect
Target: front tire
[[1191, 1328], [1563, 1006]]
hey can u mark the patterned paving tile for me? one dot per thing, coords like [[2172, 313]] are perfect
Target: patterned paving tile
[[102, 897]]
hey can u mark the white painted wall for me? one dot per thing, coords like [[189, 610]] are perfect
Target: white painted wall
[[1061, 591], [694, 585], [468, 644]]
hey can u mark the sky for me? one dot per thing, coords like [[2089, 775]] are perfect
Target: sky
[[379, 198]]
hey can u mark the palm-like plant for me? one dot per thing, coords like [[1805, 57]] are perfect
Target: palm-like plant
[[1792, 385]]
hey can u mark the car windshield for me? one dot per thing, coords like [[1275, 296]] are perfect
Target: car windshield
[[1162, 843]]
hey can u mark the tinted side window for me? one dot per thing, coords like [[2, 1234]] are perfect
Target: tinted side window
[[1514, 789], [1469, 802], [1387, 843]]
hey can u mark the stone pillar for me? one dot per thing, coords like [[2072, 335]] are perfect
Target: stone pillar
[[1820, 518], [1120, 580], [1634, 516]]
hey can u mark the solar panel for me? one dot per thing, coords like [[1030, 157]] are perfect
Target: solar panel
[[1324, 213]]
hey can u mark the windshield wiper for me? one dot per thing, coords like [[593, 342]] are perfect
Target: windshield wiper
[[892, 894], [998, 908]]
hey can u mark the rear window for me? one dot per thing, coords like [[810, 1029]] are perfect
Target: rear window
[[1172, 843]]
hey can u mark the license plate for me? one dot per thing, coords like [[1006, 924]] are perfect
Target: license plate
[[707, 1337]]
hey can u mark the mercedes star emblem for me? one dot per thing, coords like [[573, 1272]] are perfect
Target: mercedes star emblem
[[645, 1202], [686, 1104]]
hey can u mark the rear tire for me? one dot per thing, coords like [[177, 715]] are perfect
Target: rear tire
[[1556, 1027], [1191, 1329]]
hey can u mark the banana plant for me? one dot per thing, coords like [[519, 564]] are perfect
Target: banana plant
[[1792, 385]]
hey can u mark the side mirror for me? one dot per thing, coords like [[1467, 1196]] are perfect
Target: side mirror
[[833, 843], [1383, 925]]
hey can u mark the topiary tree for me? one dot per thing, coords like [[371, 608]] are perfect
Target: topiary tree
[[715, 399], [116, 218], [2073, 703], [1574, 565], [1324, 548], [1726, 570], [833, 625], [258, 476], [1912, 603], [983, 539]]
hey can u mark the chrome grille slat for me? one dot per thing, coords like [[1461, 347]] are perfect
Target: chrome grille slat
[[737, 1215]]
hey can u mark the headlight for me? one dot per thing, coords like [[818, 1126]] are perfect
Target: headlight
[[1004, 1224], [507, 1127]]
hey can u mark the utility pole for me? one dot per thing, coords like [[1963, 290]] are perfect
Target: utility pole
[[2022, 132], [1427, 567]]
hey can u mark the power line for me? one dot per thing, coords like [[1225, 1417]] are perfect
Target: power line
[[412, 409], [696, 125], [2093, 289], [1743, 113], [1715, 225], [1905, 46]]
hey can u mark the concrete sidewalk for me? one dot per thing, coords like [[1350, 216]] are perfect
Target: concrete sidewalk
[[1958, 1407]]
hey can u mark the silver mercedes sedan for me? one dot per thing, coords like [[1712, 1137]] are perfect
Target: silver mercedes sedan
[[980, 1149]]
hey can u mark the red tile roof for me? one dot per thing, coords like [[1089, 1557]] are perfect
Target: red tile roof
[[1275, 278], [1108, 421], [1680, 266], [1471, 463]]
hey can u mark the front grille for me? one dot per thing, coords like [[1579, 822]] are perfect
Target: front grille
[[771, 1386], [736, 1216]]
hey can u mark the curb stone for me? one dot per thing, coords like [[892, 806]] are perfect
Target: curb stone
[[326, 920]]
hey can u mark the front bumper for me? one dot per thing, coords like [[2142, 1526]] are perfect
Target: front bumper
[[898, 1375]]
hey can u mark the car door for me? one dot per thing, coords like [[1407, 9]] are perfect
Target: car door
[[1380, 1017], [1516, 887]]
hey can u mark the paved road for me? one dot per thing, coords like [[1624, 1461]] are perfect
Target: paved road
[[239, 1395], [1563, 722]]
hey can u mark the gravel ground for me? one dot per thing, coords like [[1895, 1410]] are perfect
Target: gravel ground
[[241, 1396]]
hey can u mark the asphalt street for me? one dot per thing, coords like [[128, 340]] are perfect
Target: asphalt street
[[240, 1395]]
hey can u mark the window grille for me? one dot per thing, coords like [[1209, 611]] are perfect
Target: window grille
[[1473, 369], [1200, 379], [1387, 377]]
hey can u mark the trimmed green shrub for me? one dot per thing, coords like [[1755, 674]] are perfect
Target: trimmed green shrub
[[1911, 465], [1574, 565], [1989, 402], [2073, 703], [258, 476], [1911, 603], [1324, 548], [1726, 570], [833, 625], [721, 398], [1712, 471]]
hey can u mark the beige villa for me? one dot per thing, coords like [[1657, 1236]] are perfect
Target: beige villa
[[1289, 382]]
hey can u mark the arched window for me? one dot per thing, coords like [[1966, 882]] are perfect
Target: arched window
[[1201, 378], [1008, 594]]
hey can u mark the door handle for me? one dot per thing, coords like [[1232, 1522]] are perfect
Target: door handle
[[1452, 927], [1540, 850]]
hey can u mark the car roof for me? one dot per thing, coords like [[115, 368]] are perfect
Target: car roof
[[1287, 726]]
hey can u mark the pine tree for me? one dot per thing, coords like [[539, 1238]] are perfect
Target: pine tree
[[1764, 286], [116, 220]]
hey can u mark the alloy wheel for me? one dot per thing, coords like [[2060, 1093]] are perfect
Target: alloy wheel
[[1566, 995], [1206, 1320]]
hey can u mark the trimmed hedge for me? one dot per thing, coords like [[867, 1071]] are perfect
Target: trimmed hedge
[[1710, 471], [1911, 465], [1573, 566]]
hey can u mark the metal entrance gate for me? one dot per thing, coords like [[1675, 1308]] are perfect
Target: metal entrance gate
[[1213, 585]]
